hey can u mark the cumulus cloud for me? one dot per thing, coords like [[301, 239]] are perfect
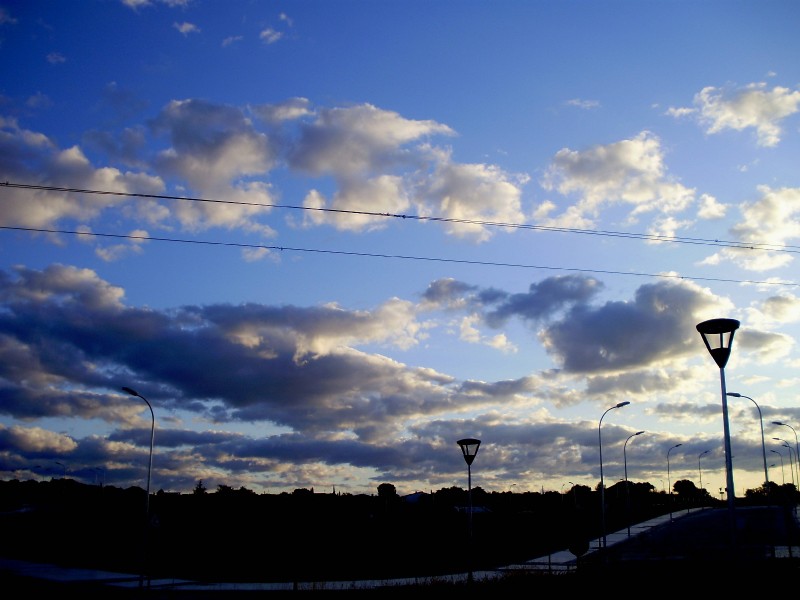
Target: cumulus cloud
[[767, 226], [753, 107], [31, 156], [629, 172], [468, 196], [357, 140], [657, 326]]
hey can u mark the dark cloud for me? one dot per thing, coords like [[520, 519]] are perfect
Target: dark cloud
[[659, 324], [543, 299]]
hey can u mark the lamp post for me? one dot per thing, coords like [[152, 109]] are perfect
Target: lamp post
[[469, 448], [133, 392], [627, 488], [152, 434], [796, 445], [791, 459], [700, 470], [602, 484], [717, 336], [783, 473], [64, 467], [763, 446], [669, 483]]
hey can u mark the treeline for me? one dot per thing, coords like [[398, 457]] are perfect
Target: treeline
[[238, 535]]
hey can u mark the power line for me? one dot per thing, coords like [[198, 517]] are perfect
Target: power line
[[598, 232], [397, 256]]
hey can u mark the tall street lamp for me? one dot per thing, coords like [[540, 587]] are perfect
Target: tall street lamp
[[763, 446], [700, 470], [602, 484], [146, 540], [669, 483], [783, 473], [627, 489], [791, 459], [64, 467], [796, 445], [717, 336], [133, 392], [469, 448]]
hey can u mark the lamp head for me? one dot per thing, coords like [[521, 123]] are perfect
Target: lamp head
[[734, 394], [130, 391], [621, 404], [777, 423], [469, 448], [718, 338]]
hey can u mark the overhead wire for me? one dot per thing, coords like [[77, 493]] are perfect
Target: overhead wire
[[599, 232], [650, 237]]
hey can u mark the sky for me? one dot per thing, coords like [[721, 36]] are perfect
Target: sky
[[325, 240]]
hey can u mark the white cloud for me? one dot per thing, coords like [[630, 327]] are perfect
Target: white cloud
[[630, 172], [270, 36], [767, 224], [186, 28], [753, 107]]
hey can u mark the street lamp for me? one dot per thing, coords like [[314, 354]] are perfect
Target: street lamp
[[64, 467], [796, 445], [763, 446], [783, 473], [602, 485], [791, 460], [469, 448], [718, 338], [152, 434], [699, 470], [133, 392], [627, 489], [669, 483]]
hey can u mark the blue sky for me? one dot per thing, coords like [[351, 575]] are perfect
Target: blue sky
[[326, 240]]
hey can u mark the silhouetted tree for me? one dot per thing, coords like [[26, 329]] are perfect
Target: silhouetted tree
[[387, 490], [685, 488], [199, 488]]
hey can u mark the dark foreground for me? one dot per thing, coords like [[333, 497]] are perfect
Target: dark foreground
[[727, 552]]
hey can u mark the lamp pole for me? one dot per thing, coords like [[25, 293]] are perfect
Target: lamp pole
[[796, 445], [627, 488], [133, 392], [669, 483], [469, 448], [700, 470], [718, 336], [783, 473], [791, 460], [763, 446], [64, 467], [602, 484]]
